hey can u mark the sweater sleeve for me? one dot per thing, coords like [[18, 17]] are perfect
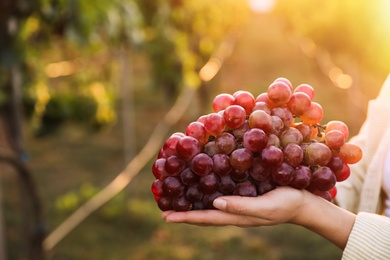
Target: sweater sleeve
[[369, 238]]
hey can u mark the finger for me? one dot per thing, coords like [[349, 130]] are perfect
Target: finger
[[213, 218]]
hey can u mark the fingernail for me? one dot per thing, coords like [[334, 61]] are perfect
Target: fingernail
[[220, 204]]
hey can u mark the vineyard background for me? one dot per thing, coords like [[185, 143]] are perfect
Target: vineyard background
[[133, 83]]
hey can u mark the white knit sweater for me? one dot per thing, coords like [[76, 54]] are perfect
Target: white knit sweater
[[362, 192]]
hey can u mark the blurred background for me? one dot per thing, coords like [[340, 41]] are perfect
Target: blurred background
[[85, 85]]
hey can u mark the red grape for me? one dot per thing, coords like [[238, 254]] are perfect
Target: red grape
[[222, 101], [234, 116]]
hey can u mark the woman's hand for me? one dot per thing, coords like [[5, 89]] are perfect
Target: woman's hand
[[281, 205], [278, 206]]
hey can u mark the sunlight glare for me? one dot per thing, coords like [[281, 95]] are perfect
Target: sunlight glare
[[262, 6]]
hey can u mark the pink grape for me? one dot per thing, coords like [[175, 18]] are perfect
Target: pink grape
[[283, 174], [260, 119], [222, 101], [234, 116], [255, 140], [196, 129], [313, 115], [299, 103], [286, 81], [187, 147], [221, 164], [279, 93], [272, 156], [214, 124], [241, 159], [244, 99], [305, 88], [334, 139], [317, 154], [225, 143]]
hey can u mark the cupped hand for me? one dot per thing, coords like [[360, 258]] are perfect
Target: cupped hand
[[281, 205]]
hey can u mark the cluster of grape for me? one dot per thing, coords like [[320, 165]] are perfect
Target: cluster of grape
[[249, 146]]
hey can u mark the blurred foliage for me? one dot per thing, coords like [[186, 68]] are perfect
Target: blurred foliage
[[357, 29], [181, 35], [62, 48]]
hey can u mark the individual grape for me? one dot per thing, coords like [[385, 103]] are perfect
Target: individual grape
[[244, 99], [209, 183], [241, 159], [265, 186], [317, 154], [187, 147], [286, 81], [202, 119], [350, 153], [258, 171], [305, 88], [194, 193], [255, 140], [196, 129], [172, 186], [260, 119], [302, 177], [283, 174], [277, 125], [174, 165], [334, 139], [222, 101], [225, 143], [188, 178], [337, 125], [202, 164], [293, 154], [263, 97], [291, 135], [239, 175], [261, 105], [181, 204], [323, 179], [273, 140], [210, 148], [240, 131], [214, 124], [336, 164], [313, 115], [157, 188], [283, 113], [208, 199], [343, 174], [165, 203], [272, 156], [221, 164], [279, 93], [198, 205], [234, 116], [299, 103], [246, 188], [158, 169], [305, 130], [333, 192], [169, 146], [226, 184]]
